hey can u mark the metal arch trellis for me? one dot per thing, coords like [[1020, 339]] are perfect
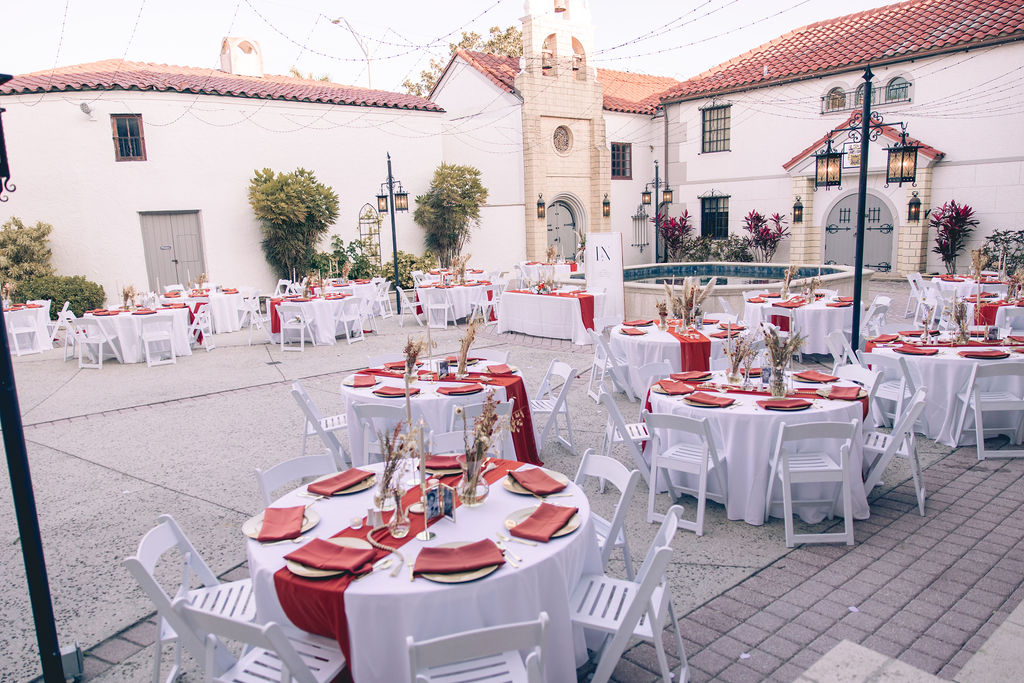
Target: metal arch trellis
[[369, 231]]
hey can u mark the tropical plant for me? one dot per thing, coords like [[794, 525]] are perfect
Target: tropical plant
[[406, 264], [24, 251], [765, 234], [357, 253], [295, 211], [450, 207], [507, 42], [731, 249], [1006, 246], [674, 234], [953, 225], [82, 294]]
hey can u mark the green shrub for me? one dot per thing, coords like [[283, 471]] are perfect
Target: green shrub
[[83, 294], [24, 251], [330, 263], [406, 264], [706, 248]]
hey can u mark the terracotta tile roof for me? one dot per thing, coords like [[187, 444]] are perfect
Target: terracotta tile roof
[[116, 74], [888, 132], [900, 32], [623, 91]]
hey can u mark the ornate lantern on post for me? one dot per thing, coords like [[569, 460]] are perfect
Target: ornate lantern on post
[[798, 211], [542, 209], [914, 209], [606, 207], [828, 167], [902, 165]]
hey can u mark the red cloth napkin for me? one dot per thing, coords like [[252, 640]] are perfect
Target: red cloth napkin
[[443, 462], [544, 522], [729, 326], [632, 331], [1015, 338], [33, 306], [536, 480], [845, 393], [846, 299], [229, 291], [638, 323], [395, 365], [392, 392], [363, 381], [885, 338], [321, 554], [461, 389], [454, 560], [984, 353], [710, 321], [339, 482], [754, 372], [784, 404], [455, 359], [172, 295], [911, 333], [815, 376], [792, 303], [916, 351], [501, 369], [840, 304], [755, 300], [691, 376], [144, 311], [674, 388], [710, 400], [950, 278], [772, 295], [724, 335], [281, 523]]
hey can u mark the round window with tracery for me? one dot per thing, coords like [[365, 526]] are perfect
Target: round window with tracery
[[562, 139]]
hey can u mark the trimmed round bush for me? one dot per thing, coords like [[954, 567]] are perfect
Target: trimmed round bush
[[83, 294]]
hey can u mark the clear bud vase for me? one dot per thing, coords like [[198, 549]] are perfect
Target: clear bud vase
[[777, 384], [472, 489], [663, 325], [398, 525]]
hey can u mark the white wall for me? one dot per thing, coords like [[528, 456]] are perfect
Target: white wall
[[646, 135], [201, 154]]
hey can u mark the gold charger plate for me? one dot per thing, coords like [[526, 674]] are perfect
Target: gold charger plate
[[518, 516], [657, 388], [350, 382], [460, 577], [789, 410], [251, 527], [814, 381], [442, 471], [514, 487], [696, 404], [314, 573], [824, 393], [355, 488]]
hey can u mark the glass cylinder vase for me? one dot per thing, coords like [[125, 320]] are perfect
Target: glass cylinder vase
[[398, 525], [777, 384], [472, 488]]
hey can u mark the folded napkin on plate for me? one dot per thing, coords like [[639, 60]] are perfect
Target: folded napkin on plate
[[710, 399], [783, 403], [229, 291], [916, 351], [675, 388], [361, 281], [723, 334], [691, 375], [1015, 338], [435, 272], [632, 331], [950, 278], [500, 369], [840, 304], [984, 353], [33, 306], [460, 389], [321, 554], [443, 462], [172, 295], [844, 393], [465, 558], [754, 372], [339, 482], [885, 338], [755, 300], [911, 333], [300, 300], [143, 311], [474, 270], [815, 376], [281, 523], [729, 326], [363, 381], [455, 359], [395, 365], [546, 520], [638, 323], [772, 295], [536, 480], [792, 303], [846, 299], [391, 392]]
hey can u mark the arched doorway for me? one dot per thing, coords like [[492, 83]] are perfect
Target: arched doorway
[[841, 233], [562, 229]]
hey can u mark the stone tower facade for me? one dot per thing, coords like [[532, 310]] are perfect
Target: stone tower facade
[[565, 153]]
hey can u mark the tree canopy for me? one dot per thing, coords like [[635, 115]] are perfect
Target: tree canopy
[[507, 42], [24, 251], [449, 209]]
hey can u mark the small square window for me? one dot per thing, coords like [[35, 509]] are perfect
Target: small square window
[[714, 217], [622, 160], [129, 142], [715, 129]]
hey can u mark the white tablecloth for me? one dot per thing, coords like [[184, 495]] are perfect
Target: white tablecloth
[[657, 345], [37, 319], [223, 309], [553, 317], [1005, 312], [945, 375], [462, 297], [382, 610], [814, 321], [128, 329], [745, 436], [539, 271], [322, 314], [969, 286], [435, 275]]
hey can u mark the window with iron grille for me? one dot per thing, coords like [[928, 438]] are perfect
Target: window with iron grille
[[898, 90], [844, 215], [715, 129], [622, 160], [129, 143], [714, 217]]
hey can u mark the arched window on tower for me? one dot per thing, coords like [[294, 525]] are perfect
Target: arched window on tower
[[835, 100], [898, 90], [579, 60], [548, 55]]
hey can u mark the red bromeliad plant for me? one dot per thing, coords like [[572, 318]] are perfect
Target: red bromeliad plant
[[765, 234], [674, 232], [953, 225]]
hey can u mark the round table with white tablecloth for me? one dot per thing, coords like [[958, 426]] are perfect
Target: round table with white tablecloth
[[224, 307], [127, 327], [963, 285], [814, 320], [33, 317], [381, 609], [745, 434], [321, 312], [462, 297]]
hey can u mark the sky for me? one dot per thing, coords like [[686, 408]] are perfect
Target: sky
[[677, 38]]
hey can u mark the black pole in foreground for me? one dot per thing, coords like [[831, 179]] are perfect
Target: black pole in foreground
[[862, 196], [394, 237]]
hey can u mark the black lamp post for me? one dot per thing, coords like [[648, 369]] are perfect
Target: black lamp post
[[392, 193], [21, 482], [651, 189]]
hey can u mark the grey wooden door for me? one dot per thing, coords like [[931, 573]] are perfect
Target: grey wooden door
[[841, 233], [173, 245], [562, 229]]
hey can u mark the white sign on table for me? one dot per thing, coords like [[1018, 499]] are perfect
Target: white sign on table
[[604, 269]]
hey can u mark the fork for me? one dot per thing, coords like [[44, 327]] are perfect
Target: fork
[[516, 539], [297, 539], [505, 549]]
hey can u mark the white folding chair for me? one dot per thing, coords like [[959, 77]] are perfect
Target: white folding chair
[[610, 532], [842, 353], [632, 435], [550, 401], [92, 335], [273, 478], [271, 653], [647, 375], [485, 654], [916, 297], [72, 334], [173, 288], [349, 318], [987, 393], [23, 326], [156, 338], [253, 317], [233, 599], [813, 464], [379, 361], [296, 288], [483, 304], [623, 609], [865, 377], [440, 309], [875, 318], [879, 449], [471, 411], [725, 306], [374, 419], [383, 300], [294, 320], [408, 308], [491, 356], [201, 327], [1014, 319], [695, 454], [54, 326], [895, 387], [325, 428], [606, 364]]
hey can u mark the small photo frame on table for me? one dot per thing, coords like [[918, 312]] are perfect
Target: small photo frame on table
[[432, 504], [443, 369], [448, 498], [992, 334]]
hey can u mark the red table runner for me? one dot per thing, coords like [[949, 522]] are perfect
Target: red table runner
[[318, 605], [985, 314], [694, 352], [586, 304]]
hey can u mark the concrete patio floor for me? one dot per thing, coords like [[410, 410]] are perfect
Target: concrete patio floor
[[111, 450]]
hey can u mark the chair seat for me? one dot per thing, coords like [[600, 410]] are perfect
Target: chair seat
[[334, 422], [990, 398], [890, 390], [875, 442], [233, 599], [637, 431], [596, 603], [506, 666], [320, 654], [684, 454], [807, 463], [542, 405]]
